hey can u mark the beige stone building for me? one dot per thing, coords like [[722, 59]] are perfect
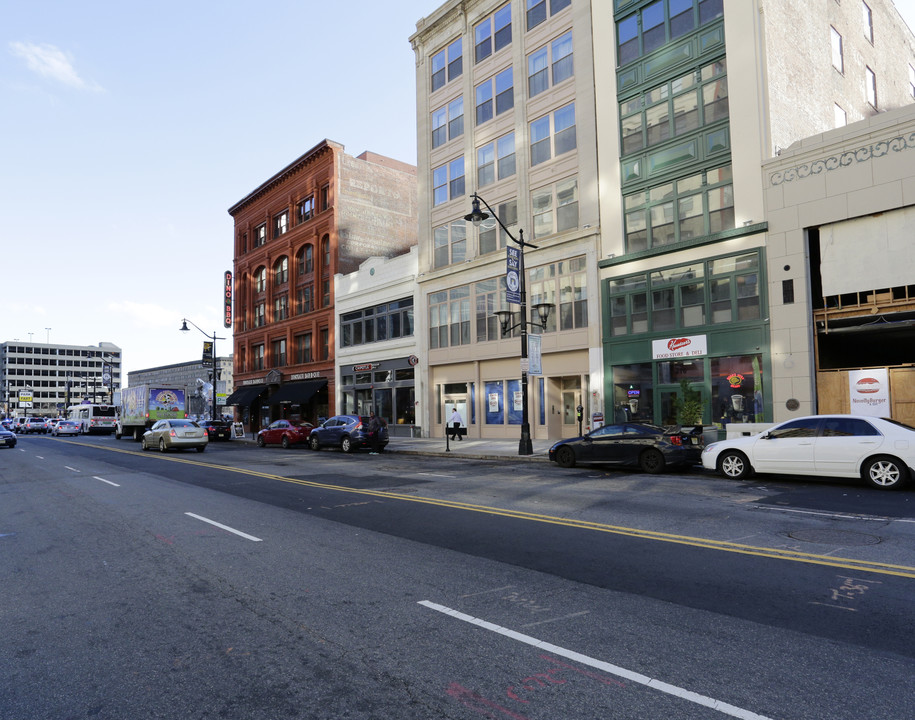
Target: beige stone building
[[841, 221], [505, 108]]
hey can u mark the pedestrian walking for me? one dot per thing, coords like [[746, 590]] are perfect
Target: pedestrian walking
[[374, 429], [455, 421]]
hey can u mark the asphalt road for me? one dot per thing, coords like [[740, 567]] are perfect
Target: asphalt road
[[262, 583]]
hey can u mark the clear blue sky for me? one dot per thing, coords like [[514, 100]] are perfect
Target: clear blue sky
[[128, 129]]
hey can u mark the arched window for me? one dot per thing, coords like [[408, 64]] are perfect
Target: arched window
[[260, 279], [281, 271]]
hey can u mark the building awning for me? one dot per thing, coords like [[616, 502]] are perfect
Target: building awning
[[297, 393], [245, 395]]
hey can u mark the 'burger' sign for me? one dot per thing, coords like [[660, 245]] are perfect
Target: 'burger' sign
[[869, 393]]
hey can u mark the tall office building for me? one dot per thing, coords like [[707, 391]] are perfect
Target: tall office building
[[53, 375]]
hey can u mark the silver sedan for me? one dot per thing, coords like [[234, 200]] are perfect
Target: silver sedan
[[175, 435]]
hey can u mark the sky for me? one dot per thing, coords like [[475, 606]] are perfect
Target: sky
[[127, 130]]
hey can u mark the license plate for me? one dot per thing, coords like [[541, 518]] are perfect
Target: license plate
[[694, 440]]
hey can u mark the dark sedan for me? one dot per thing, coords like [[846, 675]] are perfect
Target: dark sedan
[[285, 433], [7, 438], [649, 447], [217, 429]]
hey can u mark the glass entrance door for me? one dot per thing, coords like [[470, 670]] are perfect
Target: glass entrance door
[[676, 407]]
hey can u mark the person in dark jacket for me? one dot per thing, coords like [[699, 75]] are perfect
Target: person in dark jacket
[[374, 429]]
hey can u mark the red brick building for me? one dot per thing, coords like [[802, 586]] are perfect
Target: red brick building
[[323, 214]]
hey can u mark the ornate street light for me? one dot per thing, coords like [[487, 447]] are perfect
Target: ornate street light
[[476, 216], [213, 338]]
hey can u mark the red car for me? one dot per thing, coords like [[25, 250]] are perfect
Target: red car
[[285, 433]]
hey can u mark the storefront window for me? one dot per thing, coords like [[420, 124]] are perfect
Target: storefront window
[[515, 406], [671, 372], [405, 406], [494, 401], [737, 389], [633, 393]]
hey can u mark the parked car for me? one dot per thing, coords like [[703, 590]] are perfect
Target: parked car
[[7, 438], [66, 427], [649, 447], [347, 432], [285, 433], [35, 425], [879, 450], [175, 435], [217, 429]]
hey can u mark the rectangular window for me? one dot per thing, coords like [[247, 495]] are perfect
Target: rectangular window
[[257, 357], [482, 38], [870, 87], [456, 117], [491, 235], [486, 165], [455, 60], [325, 344], [280, 224], [538, 78], [502, 27], [840, 117], [505, 91], [536, 13], [868, 22], [325, 197], [278, 351], [280, 308], [260, 235], [564, 129], [303, 348], [449, 244], [440, 185], [305, 210], [438, 71], [456, 178], [540, 140], [304, 300], [838, 60], [505, 152], [439, 127], [325, 293], [561, 49], [484, 110], [260, 315], [555, 208]]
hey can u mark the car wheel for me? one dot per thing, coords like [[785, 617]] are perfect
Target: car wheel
[[652, 461], [260, 441], [565, 457], [285, 442], [346, 444], [202, 448], [144, 446], [734, 464], [885, 473], [161, 444], [314, 443]]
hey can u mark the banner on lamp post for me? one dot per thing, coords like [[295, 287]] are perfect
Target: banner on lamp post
[[513, 275], [208, 351], [534, 343]]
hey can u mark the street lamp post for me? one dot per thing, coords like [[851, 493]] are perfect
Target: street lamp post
[[185, 328], [476, 216]]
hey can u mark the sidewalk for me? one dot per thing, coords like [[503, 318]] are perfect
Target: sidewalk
[[481, 449]]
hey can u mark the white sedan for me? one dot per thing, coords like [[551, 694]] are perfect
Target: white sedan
[[880, 451]]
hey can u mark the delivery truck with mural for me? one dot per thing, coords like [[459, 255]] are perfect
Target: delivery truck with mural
[[143, 405]]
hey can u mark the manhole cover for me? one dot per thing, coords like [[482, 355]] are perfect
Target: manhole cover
[[834, 537]]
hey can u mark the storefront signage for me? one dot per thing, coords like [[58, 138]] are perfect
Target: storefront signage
[[227, 297], [735, 380], [364, 367], [413, 360], [512, 275], [869, 392], [313, 375], [679, 347]]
